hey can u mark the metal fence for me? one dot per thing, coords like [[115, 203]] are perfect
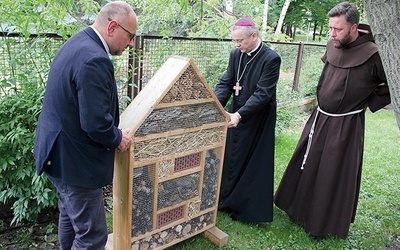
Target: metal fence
[[211, 56], [27, 60]]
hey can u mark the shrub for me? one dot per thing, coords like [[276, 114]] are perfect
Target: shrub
[[28, 193]]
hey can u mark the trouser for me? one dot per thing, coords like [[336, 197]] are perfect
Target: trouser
[[82, 220]]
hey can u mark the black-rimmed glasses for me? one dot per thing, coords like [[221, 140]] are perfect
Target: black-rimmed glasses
[[132, 36]]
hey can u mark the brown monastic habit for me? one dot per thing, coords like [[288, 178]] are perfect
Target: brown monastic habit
[[323, 197]]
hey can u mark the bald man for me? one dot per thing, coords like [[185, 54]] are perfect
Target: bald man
[[77, 132]]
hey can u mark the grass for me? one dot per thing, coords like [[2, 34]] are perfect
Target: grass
[[377, 221]]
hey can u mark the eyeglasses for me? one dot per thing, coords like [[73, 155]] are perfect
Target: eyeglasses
[[239, 41], [132, 36]]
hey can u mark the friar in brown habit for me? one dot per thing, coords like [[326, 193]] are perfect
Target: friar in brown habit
[[321, 184]]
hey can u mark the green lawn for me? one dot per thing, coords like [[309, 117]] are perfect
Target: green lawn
[[377, 223]]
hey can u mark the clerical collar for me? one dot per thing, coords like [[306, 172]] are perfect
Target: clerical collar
[[254, 50], [102, 39]]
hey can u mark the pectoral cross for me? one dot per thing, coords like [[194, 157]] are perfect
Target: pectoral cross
[[237, 88]]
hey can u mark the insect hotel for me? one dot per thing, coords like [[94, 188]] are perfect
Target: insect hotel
[[166, 186]]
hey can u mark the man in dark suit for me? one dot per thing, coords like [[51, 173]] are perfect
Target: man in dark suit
[[77, 132]]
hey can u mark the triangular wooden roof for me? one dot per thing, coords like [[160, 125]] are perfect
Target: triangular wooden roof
[[177, 83]]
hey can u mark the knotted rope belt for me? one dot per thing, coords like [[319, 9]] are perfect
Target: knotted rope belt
[[310, 135]]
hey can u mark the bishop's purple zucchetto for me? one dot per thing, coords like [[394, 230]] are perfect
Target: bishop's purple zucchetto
[[245, 21]]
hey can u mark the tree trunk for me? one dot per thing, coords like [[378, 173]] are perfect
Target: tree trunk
[[314, 31], [282, 17], [294, 33], [229, 7], [383, 16], [265, 19]]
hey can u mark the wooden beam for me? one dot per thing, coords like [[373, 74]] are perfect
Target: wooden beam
[[216, 236]]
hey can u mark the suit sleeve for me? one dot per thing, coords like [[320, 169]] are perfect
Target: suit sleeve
[[97, 95]]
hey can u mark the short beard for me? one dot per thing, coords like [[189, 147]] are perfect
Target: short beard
[[346, 40]]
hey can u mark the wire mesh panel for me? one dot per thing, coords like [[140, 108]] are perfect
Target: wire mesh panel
[[177, 190], [187, 116], [142, 200], [189, 87], [212, 167]]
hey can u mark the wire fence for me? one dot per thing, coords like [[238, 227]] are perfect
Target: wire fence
[[26, 60]]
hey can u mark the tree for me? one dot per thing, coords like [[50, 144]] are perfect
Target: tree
[[282, 17], [205, 18], [383, 18], [265, 20], [300, 10], [43, 16]]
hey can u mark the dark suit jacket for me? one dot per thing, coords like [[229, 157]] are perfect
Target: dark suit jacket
[[77, 131]]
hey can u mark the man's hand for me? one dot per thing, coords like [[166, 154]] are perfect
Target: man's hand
[[234, 120], [126, 141]]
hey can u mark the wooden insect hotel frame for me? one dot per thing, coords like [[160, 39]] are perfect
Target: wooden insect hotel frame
[[166, 186]]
